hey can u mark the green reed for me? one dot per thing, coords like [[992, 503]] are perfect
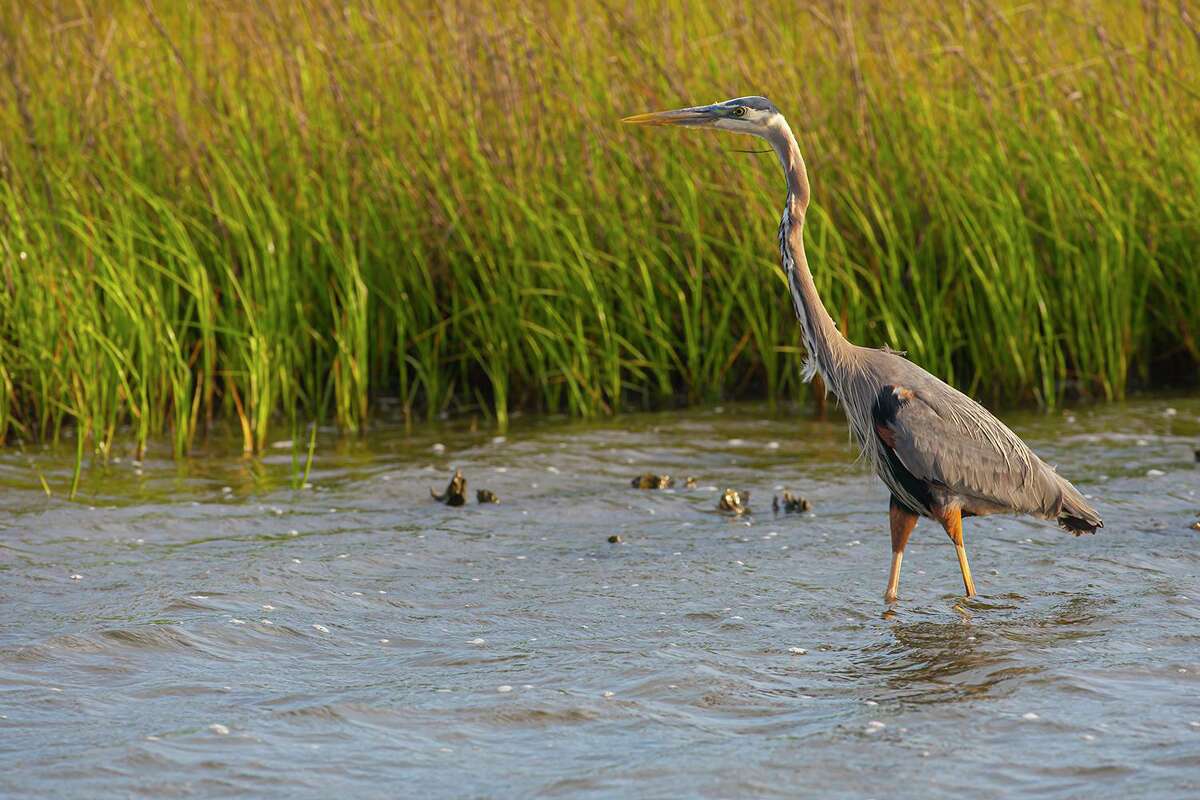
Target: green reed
[[283, 213]]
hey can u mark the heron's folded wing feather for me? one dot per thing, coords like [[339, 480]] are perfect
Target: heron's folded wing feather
[[961, 446]]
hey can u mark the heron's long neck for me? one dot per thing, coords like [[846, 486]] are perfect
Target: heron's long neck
[[828, 352]]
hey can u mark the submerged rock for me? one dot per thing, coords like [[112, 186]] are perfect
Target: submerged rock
[[487, 496], [734, 502], [792, 504], [652, 481], [456, 491]]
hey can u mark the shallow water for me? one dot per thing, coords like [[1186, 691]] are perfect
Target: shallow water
[[203, 629]]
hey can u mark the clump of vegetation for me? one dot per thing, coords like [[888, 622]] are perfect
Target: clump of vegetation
[[280, 212]]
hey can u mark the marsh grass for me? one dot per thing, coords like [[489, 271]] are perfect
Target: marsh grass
[[280, 212]]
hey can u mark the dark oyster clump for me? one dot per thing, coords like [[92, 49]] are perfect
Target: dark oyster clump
[[652, 481], [456, 491], [792, 504], [734, 502]]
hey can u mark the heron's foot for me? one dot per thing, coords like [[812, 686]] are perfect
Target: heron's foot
[[890, 596]]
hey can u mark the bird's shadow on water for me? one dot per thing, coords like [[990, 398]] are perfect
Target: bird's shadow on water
[[987, 651]]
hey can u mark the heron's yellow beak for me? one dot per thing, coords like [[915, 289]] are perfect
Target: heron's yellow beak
[[698, 115]]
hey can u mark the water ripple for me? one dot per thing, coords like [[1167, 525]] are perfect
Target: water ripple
[[167, 638]]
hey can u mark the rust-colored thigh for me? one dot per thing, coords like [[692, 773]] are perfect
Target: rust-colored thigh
[[903, 521], [951, 519]]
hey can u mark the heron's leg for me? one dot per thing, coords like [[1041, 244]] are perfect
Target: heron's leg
[[952, 521], [903, 521]]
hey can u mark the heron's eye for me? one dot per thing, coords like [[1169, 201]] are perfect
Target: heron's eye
[[739, 111]]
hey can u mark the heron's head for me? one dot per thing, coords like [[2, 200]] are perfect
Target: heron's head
[[756, 116]]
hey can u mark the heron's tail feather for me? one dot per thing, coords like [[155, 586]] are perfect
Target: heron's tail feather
[[1075, 515]]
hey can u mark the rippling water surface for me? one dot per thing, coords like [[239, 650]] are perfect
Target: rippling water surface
[[204, 629]]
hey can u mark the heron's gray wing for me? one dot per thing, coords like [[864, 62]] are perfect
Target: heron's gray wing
[[947, 439]]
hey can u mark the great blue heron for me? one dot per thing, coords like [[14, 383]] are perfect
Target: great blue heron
[[941, 454]]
